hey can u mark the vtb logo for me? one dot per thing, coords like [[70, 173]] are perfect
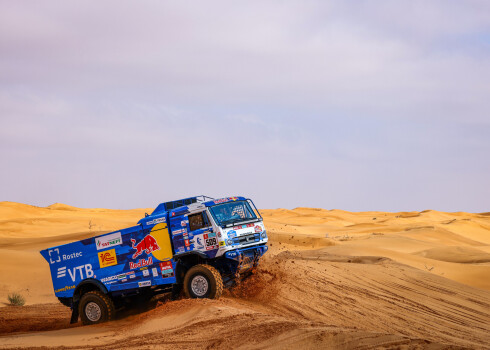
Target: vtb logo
[[107, 258]]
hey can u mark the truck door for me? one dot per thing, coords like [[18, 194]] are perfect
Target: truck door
[[193, 232], [201, 232]]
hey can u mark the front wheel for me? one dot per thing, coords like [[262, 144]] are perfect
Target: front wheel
[[95, 307], [203, 281]]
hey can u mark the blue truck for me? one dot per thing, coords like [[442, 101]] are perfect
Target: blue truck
[[197, 245]]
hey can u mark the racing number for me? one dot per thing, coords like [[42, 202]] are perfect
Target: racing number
[[211, 241]]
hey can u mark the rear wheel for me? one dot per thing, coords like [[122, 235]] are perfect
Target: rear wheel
[[203, 281], [96, 307]]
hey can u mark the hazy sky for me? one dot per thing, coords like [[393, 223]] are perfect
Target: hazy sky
[[356, 105]]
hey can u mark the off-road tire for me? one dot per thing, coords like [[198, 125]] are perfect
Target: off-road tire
[[212, 277], [104, 303]]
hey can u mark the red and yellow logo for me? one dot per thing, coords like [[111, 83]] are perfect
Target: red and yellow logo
[[107, 258]]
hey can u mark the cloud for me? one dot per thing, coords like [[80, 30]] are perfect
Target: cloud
[[295, 103]]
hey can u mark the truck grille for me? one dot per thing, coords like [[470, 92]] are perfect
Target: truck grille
[[247, 239]]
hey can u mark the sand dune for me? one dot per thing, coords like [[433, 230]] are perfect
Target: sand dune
[[463, 255], [332, 279]]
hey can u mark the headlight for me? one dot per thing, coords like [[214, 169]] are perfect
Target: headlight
[[229, 242], [263, 235]]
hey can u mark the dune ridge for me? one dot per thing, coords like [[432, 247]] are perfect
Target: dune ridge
[[332, 279]]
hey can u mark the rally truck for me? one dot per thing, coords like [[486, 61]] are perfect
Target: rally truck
[[196, 246]]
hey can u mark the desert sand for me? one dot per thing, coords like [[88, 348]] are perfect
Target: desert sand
[[332, 279]]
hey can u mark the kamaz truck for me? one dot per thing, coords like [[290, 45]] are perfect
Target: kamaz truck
[[198, 245]]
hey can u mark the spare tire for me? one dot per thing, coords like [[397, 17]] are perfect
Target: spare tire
[[203, 281]]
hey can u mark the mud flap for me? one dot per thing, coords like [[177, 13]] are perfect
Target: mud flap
[[176, 291], [74, 313]]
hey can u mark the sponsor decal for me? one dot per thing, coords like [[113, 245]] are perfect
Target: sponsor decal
[[219, 234], [187, 243], [73, 272], [167, 269], [232, 254], [108, 241], [56, 257], [107, 258], [144, 284], [181, 250], [108, 279], [124, 280], [210, 241], [223, 200], [141, 263], [183, 223], [64, 289], [239, 227], [146, 273], [119, 277], [231, 234], [123, 276], [155, 272], [147, 245], [61, 271], [221, 243], [200, 245], [258, 229], [179, 231], [156, 221]]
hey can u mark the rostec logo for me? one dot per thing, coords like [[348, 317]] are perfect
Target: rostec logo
[[107, 258], [148, 244], [108, 241], [54, 254], [56, 257], [73, 272]]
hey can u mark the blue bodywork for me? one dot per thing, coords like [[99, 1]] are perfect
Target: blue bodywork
[[146, 254]]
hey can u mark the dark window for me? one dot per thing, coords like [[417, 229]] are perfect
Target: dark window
[[198, 221]]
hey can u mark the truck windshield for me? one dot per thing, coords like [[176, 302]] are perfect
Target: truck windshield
[[232, 213]]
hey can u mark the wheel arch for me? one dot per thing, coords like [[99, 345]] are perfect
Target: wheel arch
[[86, 286], [186, 261]]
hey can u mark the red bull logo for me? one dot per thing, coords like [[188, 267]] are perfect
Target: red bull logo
[[147, 245], [141, 263]]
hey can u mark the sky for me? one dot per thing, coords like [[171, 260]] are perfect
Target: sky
[[354, 105]]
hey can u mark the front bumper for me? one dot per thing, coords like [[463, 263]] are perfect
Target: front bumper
[[246, 258]]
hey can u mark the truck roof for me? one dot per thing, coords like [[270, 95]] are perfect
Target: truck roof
[[181, 206]]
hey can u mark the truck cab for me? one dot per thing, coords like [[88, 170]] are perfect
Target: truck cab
[[197, 245]]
